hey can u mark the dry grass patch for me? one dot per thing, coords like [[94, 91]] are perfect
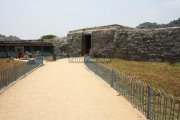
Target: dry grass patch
[[6, 63], [159, 75]]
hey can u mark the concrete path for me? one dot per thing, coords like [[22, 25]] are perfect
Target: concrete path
[[64, 91]]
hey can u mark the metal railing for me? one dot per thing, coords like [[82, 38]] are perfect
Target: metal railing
[[8, 75], [153, 103], [54, 57]]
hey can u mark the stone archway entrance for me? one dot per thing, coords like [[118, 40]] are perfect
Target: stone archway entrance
[[86, 44]]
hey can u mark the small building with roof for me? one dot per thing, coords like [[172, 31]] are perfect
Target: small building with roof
[[33, 47]]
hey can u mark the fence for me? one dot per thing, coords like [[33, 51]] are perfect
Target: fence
[[54, 57], [153, 103], [11, 74]]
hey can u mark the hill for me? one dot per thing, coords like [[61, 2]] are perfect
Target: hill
[[8, 38], [149, 25]]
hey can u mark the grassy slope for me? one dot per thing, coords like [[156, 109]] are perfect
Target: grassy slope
[[160, 75]]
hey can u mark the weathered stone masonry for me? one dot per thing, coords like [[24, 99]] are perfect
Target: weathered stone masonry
[[128, 43], [101, 39], [157, 44]]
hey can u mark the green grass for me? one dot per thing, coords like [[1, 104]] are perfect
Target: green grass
[[178, 64], [160, 75]]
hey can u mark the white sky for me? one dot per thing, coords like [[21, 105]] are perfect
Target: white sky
[[30, 19]]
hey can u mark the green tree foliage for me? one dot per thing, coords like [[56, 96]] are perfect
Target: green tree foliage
[[148, 25], [47, 37]]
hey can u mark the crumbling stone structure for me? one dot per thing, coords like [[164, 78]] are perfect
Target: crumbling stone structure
[[126, 43]]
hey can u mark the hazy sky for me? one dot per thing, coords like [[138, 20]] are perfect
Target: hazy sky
[[30, 19]]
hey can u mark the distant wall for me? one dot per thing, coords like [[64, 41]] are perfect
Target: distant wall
[[157, 44]]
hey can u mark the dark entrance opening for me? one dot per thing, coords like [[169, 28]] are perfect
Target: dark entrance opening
[[86, 44]]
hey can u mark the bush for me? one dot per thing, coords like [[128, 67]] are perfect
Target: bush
[[46, 37]]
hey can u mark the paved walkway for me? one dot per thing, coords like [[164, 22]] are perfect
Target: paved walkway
[[64, 91]]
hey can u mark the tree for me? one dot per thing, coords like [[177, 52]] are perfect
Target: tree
[[46, 37], [147, 25]]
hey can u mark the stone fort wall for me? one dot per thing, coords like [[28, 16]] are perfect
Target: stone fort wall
[[156, 44], [130, 44]]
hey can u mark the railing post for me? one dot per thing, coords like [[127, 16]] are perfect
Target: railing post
[[41, 60], [113, 78], [114, 81], [15, 72], [178, 116], [148, 101], [131, 91]]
